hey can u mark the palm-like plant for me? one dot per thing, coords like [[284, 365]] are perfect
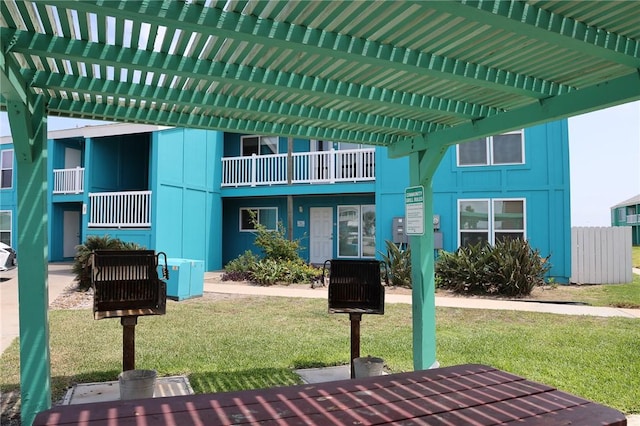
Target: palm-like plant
[[81, 267], [398, 265]]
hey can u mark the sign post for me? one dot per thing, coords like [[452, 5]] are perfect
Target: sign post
[[414, 210]]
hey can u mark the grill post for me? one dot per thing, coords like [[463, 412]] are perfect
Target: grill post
[[355, 339], [355, 288], [129, 342]]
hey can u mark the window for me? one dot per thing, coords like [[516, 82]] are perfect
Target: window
[[357, 231], [346, 145], [5, 227], [501, 149], [490, 221], [316, 145], [6, 169], [259, 145], [267, 216], [622, 216]]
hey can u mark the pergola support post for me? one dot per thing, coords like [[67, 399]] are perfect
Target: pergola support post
[[29, 131], [423, 165]]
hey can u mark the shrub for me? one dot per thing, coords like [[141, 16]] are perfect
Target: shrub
[[274, 244], [268, 272], [81, 267], [510, 268], [297, 271], [398, 265], [281, 261], [239, 269]]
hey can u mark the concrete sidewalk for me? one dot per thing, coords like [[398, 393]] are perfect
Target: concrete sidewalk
[[214, 285], [60, 277]]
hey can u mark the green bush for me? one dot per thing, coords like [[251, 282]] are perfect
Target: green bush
[[281, 262], [274, 244], [81, 267], [297, 271], [268, 272], [398, 265], [509, 268], [239, 269]]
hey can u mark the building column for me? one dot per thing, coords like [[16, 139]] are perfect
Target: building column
[[29, 133], [422, 167]]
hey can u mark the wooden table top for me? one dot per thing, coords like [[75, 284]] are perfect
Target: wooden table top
[[458, 395]]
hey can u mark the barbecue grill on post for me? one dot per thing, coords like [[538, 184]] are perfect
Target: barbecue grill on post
[[355, 288], [126, 285]]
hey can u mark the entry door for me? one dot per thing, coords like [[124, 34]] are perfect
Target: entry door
[[320, 234], [71, 233], [72, 158]]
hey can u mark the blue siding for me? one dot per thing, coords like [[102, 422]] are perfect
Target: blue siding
[[9, 200], [193, 217], [543, 181], [236, 242], [186, 207], [142, 237]]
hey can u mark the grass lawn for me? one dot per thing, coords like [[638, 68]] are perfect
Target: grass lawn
[[635, 256], [246, 343], [616, 295]]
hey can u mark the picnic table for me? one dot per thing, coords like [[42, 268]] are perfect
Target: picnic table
[[460, 395]]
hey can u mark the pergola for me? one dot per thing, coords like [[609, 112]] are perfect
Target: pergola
[[412, 75]]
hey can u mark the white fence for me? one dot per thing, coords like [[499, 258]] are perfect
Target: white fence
[[130, 209], [307, 167], [601, 255], [68, 181]]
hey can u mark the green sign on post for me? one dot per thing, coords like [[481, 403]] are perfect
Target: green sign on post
[[414, 210]]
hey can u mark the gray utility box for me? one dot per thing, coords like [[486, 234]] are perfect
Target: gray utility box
[[398, 233]]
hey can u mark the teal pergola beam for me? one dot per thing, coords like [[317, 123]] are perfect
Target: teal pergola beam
[[422, 167], [614, 92], [27, 120]]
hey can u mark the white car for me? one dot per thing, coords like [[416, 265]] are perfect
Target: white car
[[7, 257]]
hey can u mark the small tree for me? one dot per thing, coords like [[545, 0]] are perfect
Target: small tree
[[274, 243]]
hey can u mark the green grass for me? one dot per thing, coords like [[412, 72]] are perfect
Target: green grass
[[635, 256], [614, 295], [250, 343]]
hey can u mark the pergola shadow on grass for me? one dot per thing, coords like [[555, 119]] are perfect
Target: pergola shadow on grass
[[255, 342]]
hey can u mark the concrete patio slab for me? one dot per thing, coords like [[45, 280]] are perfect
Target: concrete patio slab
[[110, 391], [325, 374]]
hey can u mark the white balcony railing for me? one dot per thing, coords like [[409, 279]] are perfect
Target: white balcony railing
[[130, 209], [308, 167], [633, 218], [254, 170], [68, 181]]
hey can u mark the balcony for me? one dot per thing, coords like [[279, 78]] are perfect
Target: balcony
[[68, 181], [633, 218], [357, 165], [130, 209]]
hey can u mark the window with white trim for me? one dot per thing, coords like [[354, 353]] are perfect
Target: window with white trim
[[266, 216], [490, 220], [5, 227], [622, 215], [502, 149], [258, 145], [6, 169]]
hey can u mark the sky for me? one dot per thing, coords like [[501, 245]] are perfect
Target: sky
[[604, 152]]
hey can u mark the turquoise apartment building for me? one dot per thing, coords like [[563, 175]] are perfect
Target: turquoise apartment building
[[627, 213], [190, 193]]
